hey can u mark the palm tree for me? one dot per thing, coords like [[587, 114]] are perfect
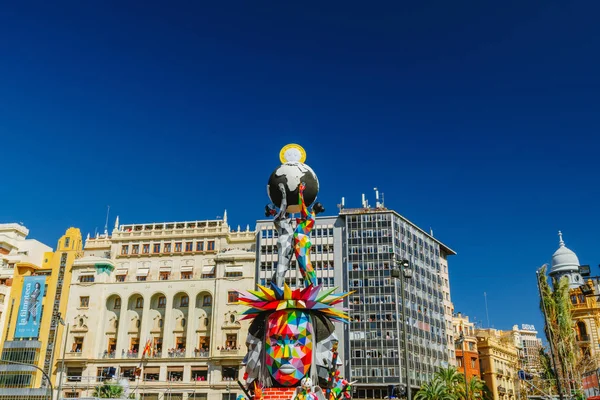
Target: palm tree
[[108, 391], [434, 390], [477, 389], [451, 379]]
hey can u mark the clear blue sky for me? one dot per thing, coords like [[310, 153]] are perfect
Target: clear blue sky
[[478, 120]]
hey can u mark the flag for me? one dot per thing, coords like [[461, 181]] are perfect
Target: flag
[[146, 349]]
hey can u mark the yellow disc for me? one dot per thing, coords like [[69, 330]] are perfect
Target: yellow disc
[[292, 153]]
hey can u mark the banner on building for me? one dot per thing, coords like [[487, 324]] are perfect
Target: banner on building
[[30, 309]]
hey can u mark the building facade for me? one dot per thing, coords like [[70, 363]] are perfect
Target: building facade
[[499, 362], [15, 248], [32, 331], [153, 306], [372, 238], [467, 356], [531, 346]]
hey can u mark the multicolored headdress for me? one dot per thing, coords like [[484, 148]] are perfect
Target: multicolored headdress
[[310, 299]]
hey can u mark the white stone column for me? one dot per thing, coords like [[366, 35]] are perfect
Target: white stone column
[[146, 322], [190, 327], [168, 325], [122, 329]]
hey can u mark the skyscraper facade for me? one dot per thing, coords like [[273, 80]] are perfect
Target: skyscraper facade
[[374, 237]]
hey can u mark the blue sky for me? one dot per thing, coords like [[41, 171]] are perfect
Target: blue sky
[[477, 120]]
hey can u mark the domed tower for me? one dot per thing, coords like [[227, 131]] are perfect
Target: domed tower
[[566, 263]]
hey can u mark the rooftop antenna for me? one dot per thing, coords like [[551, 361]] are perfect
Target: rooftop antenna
[[342, 204], [106, 223], [382, 200], [487, 315], [376, 197]]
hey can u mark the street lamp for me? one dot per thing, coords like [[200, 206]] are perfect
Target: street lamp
[[461, 341], [401, 271], [62, 361]]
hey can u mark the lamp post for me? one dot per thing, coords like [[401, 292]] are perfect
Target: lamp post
[[62, 362], [400, 272], [461, 341]]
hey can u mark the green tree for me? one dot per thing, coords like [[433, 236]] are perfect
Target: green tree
[[434, 390], [451, 379], [108, 391], [478, 390]]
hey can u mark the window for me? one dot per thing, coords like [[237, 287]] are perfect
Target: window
[[135, 249], [230, 374], [156, 248], [86, 278], [164, 276], [77, 344], [146, 249], [186, 275], [207, 301], [178, 247], [199, 373], [2, 297], [175, 373], [184, 302], [189, 246], [473, 362], [142, 278], [231, 342], [117, 304], [211, 245], [162, 302], [84, 301], [180, 343], [120, 278], [200, 246], [74, 374], [67, 241], [232, 296], [125, 249], [139, 302], [167, 248]]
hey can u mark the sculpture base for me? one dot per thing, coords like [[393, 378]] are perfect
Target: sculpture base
[[278, 393]]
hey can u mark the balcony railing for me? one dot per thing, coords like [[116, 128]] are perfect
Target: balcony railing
[[229, 351], [500, 371], [74, 354], [200, 353], [106, 354], [501, 389], [510, 391], [176, 354]]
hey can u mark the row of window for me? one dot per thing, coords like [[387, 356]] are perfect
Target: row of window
[[168, 247], [317, 232], [317, 265]]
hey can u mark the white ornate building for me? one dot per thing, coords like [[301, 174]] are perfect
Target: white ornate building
[[171, 287], [15, 248]]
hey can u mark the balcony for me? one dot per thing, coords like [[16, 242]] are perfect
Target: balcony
[[106, 354], [229, 352], [74, 354], [501, 390], [500, 371], [510, 392], [176, 353]]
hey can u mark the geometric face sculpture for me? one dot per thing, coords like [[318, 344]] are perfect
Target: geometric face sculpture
[[289, 346]]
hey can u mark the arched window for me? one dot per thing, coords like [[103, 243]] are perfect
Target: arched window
[[184, 302], [162, 302], [205, 321], [117, 304], [80, 321], [160, 323], [232, 318], [183, 322], [139, 302], [582, 330], [207, 301]]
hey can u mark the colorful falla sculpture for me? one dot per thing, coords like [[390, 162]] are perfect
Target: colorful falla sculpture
[[291, 340]]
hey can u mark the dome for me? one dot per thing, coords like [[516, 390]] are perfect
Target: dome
[[564, 259]]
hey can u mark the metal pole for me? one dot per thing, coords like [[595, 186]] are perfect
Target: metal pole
[[398, 326], [39, 369], [558, 385], [408, 393], [62, 362]]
